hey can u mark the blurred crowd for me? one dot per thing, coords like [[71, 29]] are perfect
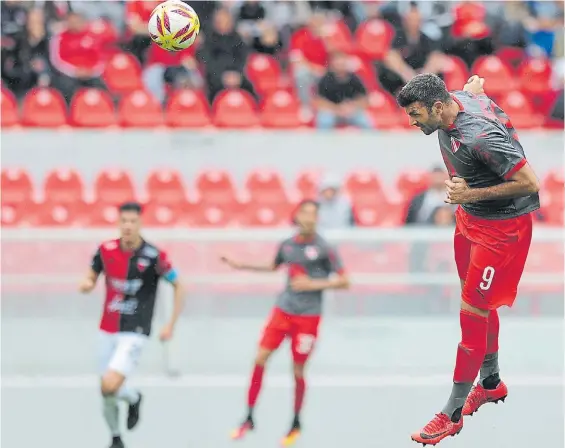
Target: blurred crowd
[[65, 44]]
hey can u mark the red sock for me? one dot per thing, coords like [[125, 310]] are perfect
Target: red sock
[[255, 385], [299, 390], [472, 348], [493, 330]]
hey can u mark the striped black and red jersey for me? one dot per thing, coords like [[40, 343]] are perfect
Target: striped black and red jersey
[[132, 278]]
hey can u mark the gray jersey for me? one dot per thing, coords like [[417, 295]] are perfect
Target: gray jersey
[[482, 147], [314, 258]]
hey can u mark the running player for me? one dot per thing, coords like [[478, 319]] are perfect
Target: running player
[[132, 268], [309, 261], [497, 191]]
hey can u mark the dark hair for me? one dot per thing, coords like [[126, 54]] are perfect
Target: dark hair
[[131, 207], [426, 88], [302, 204]]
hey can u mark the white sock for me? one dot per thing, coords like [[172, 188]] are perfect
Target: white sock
[[128, 394], [112, 414]]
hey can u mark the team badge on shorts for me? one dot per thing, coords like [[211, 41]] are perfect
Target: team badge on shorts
[[311, 252], [142, 264]]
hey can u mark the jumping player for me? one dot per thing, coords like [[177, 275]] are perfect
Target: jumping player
[[497, 191], [132, 268], [309, 261]]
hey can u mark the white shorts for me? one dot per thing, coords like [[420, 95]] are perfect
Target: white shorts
[[120, 352]]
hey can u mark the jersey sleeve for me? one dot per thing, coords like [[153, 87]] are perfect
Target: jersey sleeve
[[165, 268], [96, 264], [279, 258], [334, 261], [495, 149]]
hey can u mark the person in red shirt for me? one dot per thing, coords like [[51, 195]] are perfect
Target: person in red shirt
[[77, 57], [309, 57]]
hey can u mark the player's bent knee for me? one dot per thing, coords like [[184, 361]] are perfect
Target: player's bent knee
[[111, 383], [473, 309], [298, 369], [263, 356]]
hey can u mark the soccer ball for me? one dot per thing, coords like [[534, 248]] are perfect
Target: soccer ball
[[174, 25]]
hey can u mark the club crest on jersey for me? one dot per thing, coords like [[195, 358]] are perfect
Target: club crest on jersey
[[311, 252], [455, 144], [142, 264]]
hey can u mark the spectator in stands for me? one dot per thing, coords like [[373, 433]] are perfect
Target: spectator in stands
[[442, 216], [335, 210], [341, 9], [225, 55], [27, 65], [77, 57], [268, 41], [545, 18], [137, 16], [412, 52], [113, 11], [249, 19], [308, 58], [13, 19], [178, 70], [423, 206], [470, 35], [342, 97]]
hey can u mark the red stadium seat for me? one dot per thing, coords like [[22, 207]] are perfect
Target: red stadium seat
[[411, 183], [16, 215], [455, 73], [365, 70], [16, 186], [266, 187], [257, 215], [364, 187], [235, 108], [307, 183], [519, 110], [140, 109], [92, 108], [216, 187], [281, 110], [158, 214], [383, 111], [188, 109], [535, 75], [10, 114], [337, 36], [380, 214], [101, 214], [264, 72], [63, 186], [554, 181], [44, 107], [54, 214], [374, 38], [204, 215], [513, 56], [498, 74], [114, 187], [123, 74], [165, 187]]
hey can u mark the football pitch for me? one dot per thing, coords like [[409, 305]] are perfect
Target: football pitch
[[371, 383]]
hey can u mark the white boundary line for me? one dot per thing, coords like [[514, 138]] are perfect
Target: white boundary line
[[273, 381]]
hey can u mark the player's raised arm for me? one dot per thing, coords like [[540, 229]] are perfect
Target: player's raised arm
[[475, 85], [88, 283], [170, 274]]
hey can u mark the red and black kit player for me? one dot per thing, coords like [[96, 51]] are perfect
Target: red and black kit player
[[497, 191], [312, 266], [132, 268]]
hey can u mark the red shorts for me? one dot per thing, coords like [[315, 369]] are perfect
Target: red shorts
[[302, 330], [490, 257]]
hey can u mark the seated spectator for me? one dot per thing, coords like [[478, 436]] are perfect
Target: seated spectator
[[223, 51], [231, 79], [470, 36], [423, 206], [77, 57], [335, 210], [342, 97], [138, 13], [412, 52], [442, 216], [28, 65], [308, 58], [177, 70], [545, 19], [268, 41]]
